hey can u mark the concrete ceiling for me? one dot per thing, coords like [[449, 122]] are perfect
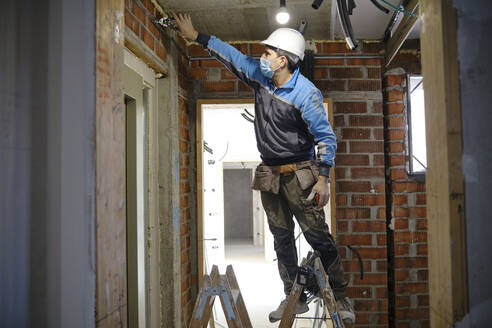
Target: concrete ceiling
[[247, 20]]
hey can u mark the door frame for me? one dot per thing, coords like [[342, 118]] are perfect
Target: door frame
[[328, 103]]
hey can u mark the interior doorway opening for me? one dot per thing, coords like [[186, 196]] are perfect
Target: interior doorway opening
[[232, 224]]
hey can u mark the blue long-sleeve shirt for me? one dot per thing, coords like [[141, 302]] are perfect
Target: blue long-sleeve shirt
[[289, 120]]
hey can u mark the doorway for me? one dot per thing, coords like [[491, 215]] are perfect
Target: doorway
[[232, 225]]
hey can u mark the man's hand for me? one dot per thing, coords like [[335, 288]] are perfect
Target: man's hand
[[321, 188], [185, 26]]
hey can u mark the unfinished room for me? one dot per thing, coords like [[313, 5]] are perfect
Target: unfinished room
[[245, 163]]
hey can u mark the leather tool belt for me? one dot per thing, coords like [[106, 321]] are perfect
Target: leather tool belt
[[267, 178]]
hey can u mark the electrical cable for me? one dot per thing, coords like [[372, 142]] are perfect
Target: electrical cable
[[382, 8], [399, 9], [346, 25]]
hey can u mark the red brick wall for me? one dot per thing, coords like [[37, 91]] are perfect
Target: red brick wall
[[408, 212], [137, 20]]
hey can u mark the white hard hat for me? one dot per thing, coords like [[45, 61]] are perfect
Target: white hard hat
[[287, 39]]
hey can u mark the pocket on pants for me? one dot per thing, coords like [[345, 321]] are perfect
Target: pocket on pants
[[306, 178], [266, 179]]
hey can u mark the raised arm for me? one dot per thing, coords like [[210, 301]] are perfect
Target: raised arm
[[246, 68]]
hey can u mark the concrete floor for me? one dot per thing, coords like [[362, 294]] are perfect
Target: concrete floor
[[260, 285]]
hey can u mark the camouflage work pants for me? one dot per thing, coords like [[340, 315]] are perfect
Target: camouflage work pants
[[289, 201]]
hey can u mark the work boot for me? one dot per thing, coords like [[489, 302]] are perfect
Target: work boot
[[301, 307], [346, 310]]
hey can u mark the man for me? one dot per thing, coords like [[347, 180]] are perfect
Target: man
[[289, 120]]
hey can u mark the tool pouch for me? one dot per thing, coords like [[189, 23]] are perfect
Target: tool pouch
[[307, 176], [266, 179]]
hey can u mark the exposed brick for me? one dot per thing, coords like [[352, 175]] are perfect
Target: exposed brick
[[402, 301], [330, 85], [379, 305], [366, 173], [378, 134], [395, 108], [257, 49], [345, 72], [219, 86], [361, 240], [377, 107], [398, 174], [381, 240], [366, 120], [356, 133], [412, 314], [396, 121], [139, 13], [161, 51], [373, 73], [369, 226], [149, 6], [320, 73], [423, 275], [397, 160], [353, 213], [423, 300], [396, 134], [421, 224], [147, 38], [211, 63], [359, 292], [396, 147], [394, 95], [381, 213], [400, 212], [335, 47], [132, 22], [378, 160], [153, 29], [339, 120], [341, 200], [364, 85], [227, 75], [411, 262], [411, 288], [394, 79], [339, 173], [372, 253], [421, 199], [402, 250], [368, 200], [350, 107], [362, 186], [363, 62], [198, 73], [342, 227], [418, 212], [352, 160], [329, 62], [354, 266], [422, 250]]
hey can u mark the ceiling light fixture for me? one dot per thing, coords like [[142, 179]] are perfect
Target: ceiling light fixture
[[282, 15]]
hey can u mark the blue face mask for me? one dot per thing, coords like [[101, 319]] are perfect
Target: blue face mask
[[265, 68]]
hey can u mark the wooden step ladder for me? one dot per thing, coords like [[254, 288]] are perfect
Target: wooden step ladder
[[227, 288], [328, 297]]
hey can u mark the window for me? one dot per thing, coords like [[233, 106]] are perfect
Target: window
[[417, 157]]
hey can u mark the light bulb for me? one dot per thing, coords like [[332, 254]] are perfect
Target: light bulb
[[282, 16]]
